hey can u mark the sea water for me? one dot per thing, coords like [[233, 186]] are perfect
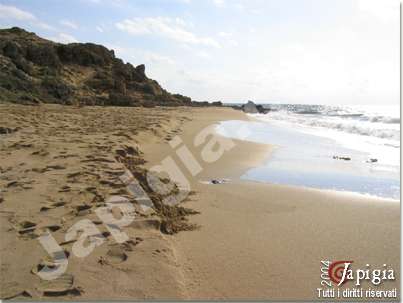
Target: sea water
[[309, 138]]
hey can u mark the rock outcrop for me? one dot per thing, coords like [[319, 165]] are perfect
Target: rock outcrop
[[33, 70], [261, 109], [252, 108]]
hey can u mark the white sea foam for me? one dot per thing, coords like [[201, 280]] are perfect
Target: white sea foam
[[373, 121], [371, 129], [309, 136]]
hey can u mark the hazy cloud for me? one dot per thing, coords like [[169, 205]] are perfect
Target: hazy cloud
[[219, 3], [63, 38], [228, 38], [173, 29], [69, 23], [9, 12]]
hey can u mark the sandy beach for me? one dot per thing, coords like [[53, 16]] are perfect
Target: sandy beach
[[261, 241], [248, 240]]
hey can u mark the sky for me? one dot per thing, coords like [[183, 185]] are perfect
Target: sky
[[274, 51]]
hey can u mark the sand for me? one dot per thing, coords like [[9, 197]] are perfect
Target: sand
[[264, 241], [253, 241], [57, 168]]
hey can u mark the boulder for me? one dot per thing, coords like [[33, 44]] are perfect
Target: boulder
[[250, 108], [261, 109]]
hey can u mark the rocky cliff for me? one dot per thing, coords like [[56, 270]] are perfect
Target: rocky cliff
[[33, 70]]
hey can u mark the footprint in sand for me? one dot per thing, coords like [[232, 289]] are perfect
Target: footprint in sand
[[64, 285], [51, 227], [116, 255], [26, 227], [13, 290], [52, 205], [83, 209], [130, 244], [52, 262]]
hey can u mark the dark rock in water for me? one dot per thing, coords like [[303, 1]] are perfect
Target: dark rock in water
[[372, 160], [252, 108], [341, 158], [261, 109]]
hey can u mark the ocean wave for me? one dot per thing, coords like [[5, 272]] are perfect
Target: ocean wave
[[388, 120], [346, 115], [308, 112], [392, 145], [382, 130], [375, 114], [391, 134], [382, 122]]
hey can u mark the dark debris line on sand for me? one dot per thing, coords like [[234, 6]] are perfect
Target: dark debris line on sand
[[173, 218]]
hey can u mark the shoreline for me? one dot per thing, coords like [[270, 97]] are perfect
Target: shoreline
[[232, 256], [335, 192], [308, 160], [249, 154]]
